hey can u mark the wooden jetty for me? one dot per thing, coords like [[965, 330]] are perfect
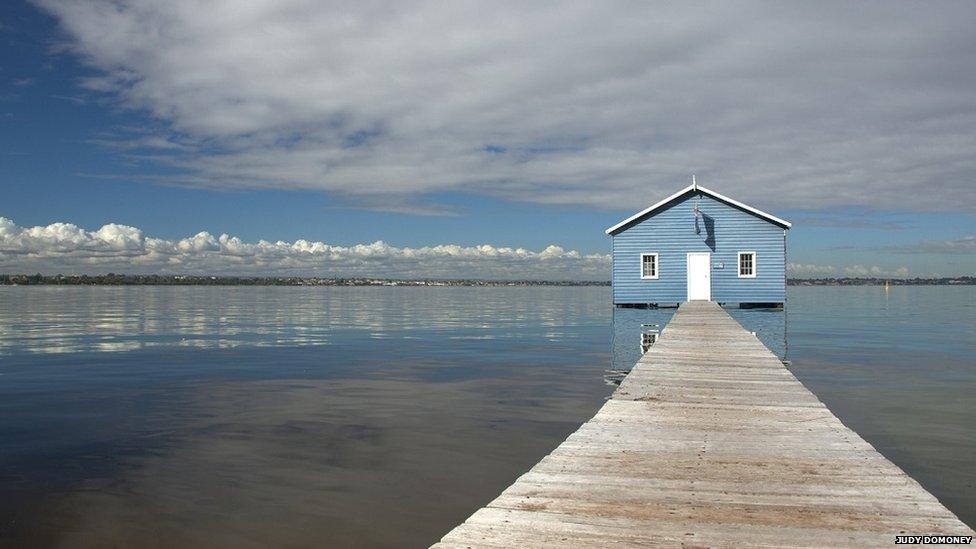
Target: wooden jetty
[[709, 441]]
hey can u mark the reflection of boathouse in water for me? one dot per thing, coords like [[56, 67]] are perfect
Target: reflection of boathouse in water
[[630, 326]]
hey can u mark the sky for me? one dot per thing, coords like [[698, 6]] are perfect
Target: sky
[[473, 139]]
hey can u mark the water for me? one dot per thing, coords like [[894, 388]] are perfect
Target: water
[[236, 417], [372, 417]]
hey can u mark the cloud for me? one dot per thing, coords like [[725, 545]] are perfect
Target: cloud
[[875, 271], [145, 142], [393, 204], [64, 247], [805, 105], [810, 270], [961, 245], [77, 100], [856, 220]]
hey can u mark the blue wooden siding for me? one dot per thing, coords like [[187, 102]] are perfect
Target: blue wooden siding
[[670, 233]]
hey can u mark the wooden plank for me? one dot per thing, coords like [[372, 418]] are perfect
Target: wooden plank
[[709, 441]]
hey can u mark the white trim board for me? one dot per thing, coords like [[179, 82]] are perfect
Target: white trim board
[[738, 263], [657, 266], [691, 188]]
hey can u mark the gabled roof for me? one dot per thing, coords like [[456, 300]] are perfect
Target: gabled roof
[[698, 188]]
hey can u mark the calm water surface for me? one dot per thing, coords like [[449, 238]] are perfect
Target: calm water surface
[[372, 417]]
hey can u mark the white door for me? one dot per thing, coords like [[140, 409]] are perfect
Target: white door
[[699, 276]]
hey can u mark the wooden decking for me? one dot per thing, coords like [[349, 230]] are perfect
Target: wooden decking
[[709, 441]]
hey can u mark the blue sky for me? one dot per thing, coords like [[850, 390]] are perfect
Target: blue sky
[[291, 121]]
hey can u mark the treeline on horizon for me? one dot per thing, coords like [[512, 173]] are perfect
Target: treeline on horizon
[[113, 279], [874, 281]]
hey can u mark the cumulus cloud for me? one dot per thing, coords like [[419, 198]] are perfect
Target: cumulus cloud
[[783, 105], [875, 271], [64, 247], [812, 270]]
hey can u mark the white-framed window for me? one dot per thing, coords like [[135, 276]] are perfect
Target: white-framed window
[[747, 264], [649, 266]]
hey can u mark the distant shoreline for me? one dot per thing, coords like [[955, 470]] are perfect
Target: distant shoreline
[[198, 280], [944, 281]]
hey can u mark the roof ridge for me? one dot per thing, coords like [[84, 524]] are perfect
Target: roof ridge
[[694, 187]]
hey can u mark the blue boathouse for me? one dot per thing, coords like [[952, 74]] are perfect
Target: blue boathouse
[[699, 245]]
